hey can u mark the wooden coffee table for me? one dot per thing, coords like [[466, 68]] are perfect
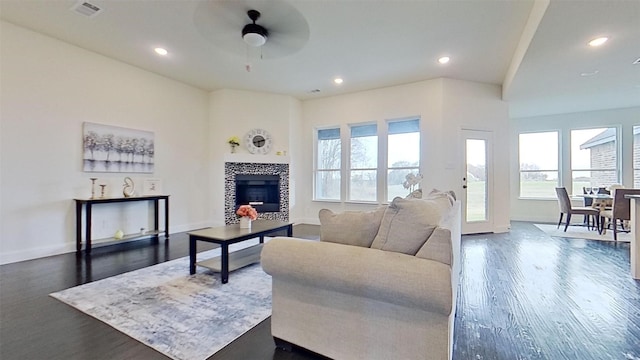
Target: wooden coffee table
[[231, 234]]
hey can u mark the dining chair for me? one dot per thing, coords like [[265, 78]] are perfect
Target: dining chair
[[566, 208], [620, 210]]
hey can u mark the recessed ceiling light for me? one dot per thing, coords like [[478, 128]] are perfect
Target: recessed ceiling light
[[337, 81], [598, 41], [161, 51], [586, 74], [444, 60]]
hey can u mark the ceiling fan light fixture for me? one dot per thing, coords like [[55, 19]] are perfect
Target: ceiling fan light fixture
[[254, 39]]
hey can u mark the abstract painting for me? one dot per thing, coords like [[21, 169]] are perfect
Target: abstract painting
[[116, 149]]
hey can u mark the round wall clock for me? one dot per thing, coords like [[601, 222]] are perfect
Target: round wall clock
[[258, 141]]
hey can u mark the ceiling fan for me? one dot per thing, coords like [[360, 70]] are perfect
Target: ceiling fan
[[282, 30]]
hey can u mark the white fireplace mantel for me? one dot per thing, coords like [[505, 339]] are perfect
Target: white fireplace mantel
[[258, 159]]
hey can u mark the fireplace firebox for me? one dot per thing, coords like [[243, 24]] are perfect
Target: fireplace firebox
[[260, 191]]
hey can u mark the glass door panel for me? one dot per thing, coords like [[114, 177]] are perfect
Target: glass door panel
[[477, 182]]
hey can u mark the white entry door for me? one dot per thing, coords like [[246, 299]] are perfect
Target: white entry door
[[477, 182]]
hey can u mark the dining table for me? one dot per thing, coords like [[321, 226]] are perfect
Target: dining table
[[600, 201]]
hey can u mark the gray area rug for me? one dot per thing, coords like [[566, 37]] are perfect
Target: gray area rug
[[180, 315], [581, 232]]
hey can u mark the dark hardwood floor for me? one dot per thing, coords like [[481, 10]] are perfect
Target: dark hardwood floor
[[523, 295]]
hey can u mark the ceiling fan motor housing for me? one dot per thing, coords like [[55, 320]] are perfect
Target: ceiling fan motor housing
[[254, 28]]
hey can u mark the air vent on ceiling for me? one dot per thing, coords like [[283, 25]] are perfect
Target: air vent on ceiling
[[86, 8]]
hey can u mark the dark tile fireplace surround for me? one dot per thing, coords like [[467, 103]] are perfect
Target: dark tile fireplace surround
[[232, 169]]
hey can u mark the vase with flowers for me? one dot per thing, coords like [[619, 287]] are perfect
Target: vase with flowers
[[411, 182], [233, 141], [247, 214]]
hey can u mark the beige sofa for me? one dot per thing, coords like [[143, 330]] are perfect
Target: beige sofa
[[358, 295]]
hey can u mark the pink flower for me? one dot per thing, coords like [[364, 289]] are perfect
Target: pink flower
[[247, 210]]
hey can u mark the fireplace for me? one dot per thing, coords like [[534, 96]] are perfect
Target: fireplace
[[260, 191], [271, 174]]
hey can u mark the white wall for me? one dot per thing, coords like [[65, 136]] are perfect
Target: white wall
[[234, 113], [546, 210], [49, 88], [445, 107], [476, 106]]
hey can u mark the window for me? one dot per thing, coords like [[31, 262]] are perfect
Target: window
[[380, 156], [403, 155], [636, 157], [594, 158], [328, 164], [363, 163], [538, 156]]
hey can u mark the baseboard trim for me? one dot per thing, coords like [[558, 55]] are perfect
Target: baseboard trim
[[41, 252]]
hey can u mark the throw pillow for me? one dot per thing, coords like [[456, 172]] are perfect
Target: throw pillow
[[435, 193], [407, 224], [357, 228]]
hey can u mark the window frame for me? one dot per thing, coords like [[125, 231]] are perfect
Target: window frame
[[316, 166], [350, 169], [387, 168], [558, 171]]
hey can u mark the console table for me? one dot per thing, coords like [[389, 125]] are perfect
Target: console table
[[88, 203]]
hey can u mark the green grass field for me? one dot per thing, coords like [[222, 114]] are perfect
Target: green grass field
[[547, 189]]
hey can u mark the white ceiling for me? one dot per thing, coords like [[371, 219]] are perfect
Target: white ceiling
[[369, 43]]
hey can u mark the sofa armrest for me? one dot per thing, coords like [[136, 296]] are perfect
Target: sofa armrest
[[386, 276]]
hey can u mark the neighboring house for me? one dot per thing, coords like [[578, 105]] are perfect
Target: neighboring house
[[603, 156]]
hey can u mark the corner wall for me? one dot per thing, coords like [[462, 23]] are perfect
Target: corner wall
[[234, 113]]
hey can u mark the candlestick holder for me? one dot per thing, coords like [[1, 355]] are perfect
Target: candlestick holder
[[93, 187], [102, 186]]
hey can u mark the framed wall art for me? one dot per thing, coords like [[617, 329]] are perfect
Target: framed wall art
[[152, 187], [116, 149]]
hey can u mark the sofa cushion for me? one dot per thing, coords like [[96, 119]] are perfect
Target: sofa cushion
[[357, 228], [407, 223]]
